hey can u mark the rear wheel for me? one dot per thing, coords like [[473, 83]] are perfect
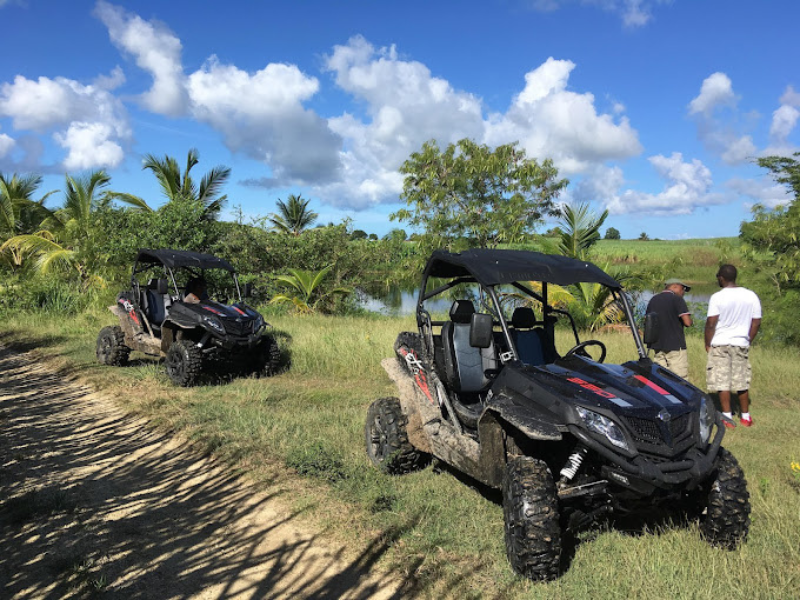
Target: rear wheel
[[727, 518], [532, 529], [111, 349], [184, 363], [387, 440]]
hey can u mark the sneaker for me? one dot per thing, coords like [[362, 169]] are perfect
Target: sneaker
[[730, 424], [746, 422]]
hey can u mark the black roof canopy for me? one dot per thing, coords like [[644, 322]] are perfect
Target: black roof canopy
[[496, 267], [183, 258]]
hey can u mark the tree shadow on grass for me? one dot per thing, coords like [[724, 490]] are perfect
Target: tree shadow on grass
[[96, 502], [23, 342]]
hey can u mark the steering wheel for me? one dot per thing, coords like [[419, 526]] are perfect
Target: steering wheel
[[579, 349]]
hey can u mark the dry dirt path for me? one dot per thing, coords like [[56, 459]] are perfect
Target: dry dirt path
[[93, 502]]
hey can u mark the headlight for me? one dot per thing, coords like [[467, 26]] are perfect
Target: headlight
[[215, 324], [706, 417], [606, 427]]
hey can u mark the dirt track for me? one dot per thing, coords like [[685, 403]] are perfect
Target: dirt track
[[93, 501]]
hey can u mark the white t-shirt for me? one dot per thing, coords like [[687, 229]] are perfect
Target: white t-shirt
[[736, 307]]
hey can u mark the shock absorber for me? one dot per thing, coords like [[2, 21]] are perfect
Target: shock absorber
[[573, 463]]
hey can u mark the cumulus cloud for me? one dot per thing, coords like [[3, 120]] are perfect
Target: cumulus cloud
[[551, 121], [405, 105], [634, 13], [262, 115], [69, 110], [717, 90], [719, 136], [688, 187], [156, 50], [760, 191], [7, 144], [784, 121]]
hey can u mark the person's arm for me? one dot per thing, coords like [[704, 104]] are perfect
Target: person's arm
[[711, 327], [754, 325], [683, 311], [686, 319]]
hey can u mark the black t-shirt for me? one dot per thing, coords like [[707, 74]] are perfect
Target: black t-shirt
[[669, 307]]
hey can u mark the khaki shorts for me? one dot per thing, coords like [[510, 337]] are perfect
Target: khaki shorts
[[676, 361], [728, 369]]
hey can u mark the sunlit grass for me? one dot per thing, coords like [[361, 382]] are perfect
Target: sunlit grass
[[304, 428]]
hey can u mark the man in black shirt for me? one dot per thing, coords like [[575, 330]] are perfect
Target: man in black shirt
[[673, 316]]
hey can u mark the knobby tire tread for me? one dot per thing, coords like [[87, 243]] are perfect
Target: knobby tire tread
[[117, 352], [727, 520], [397, 456]]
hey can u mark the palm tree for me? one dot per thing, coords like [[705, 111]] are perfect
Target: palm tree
[[307, 283], [180, 186], [67, 236], [19, 213], [579, 230], [294, 215]]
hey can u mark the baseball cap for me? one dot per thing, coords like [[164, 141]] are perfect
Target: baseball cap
[[669, 282]]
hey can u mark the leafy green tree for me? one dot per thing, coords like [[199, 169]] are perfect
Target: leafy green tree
[[181, 186], [359, 234], [579, 230], [643, 237], [471, 194], [396, 235], [310, 294], [612, 234], [777, 231], [293, 216], [19, 213]]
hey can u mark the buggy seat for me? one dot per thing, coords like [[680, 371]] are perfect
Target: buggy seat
[[532, 343], [465, 365]]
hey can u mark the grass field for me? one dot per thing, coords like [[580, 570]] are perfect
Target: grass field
[[303, 432]]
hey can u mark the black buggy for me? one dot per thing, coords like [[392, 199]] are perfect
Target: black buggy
[[155, 319], [566, 437]]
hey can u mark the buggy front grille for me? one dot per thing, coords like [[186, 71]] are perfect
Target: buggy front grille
[[645, 430], [236, 328]]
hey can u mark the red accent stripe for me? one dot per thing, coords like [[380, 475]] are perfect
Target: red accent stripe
[[649, 383]]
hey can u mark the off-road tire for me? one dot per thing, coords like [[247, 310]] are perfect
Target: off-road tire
[[387, 440], [184, 363], [111, 349], [268, 357], [532, 528], [727, 518]]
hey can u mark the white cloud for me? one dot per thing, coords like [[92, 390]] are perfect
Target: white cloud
[[7, 144], [721, 138], [634, 13], [405, 105], [791, 97], [717, 90], [90, 145], [551, 121], [156, 50], [784, 121], [70, 110], [262, 115], [687, 188], [762, 191]]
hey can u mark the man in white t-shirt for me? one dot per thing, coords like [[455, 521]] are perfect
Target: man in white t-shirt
[[734, 316]]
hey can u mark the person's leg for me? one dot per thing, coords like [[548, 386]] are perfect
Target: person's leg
[[725, 401], [679, 363], [660, 358], [744, 400]]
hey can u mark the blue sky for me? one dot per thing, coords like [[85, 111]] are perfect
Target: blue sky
[[654, 109]]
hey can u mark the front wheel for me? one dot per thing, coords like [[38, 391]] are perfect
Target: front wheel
[[184, 363], [727, 518], [111, 349], [268, 357], [387, 439], [530, 509]]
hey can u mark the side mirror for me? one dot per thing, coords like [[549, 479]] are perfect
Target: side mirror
[[162, 287], [650, 329], [480, 331], [247, 290]]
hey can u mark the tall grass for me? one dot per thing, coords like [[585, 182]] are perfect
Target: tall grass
[[304, 429]]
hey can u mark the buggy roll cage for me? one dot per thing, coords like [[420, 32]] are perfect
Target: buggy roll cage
[[488, 269], [196, 263]]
